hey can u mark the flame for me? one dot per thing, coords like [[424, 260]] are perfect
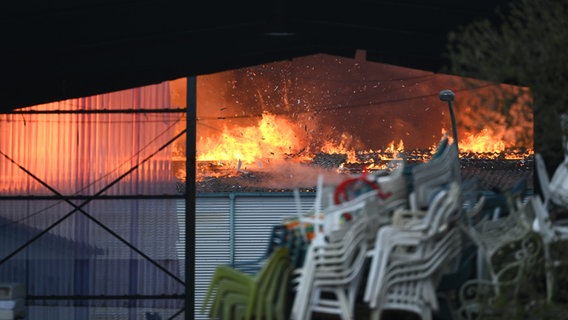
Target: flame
[[494, 132], [273, 138], [483, 142], [331, 147], [395, 149]]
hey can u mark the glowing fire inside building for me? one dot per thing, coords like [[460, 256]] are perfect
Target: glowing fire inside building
[[293, 120]]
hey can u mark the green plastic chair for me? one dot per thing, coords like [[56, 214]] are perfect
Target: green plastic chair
[[276, 294], [271, 298], [234, 297], [227, 280]]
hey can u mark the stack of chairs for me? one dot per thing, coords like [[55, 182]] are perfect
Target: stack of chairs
[[233, 294], [412, 251], [411, 256], [551, 229], [329, 279], [427, 179]]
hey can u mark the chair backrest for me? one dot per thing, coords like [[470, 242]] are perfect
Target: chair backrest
[[337, 218], [559, 185], [426, 223], [268, 289], [394, 184], [411, 282], [271, 263], [543, 178], [542, 224], [428, 178], [343, 255], [433, 259], [450, 209]]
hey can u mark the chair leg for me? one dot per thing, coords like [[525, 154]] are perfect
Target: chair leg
[[548, 269], [346, 312], [376, 313]]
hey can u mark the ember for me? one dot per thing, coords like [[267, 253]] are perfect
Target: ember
[[276, 127]]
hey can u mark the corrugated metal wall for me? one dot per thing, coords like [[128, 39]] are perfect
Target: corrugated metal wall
[[235, 225], [113, 247]]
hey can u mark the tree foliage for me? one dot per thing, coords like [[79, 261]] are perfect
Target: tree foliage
[[524, 45]]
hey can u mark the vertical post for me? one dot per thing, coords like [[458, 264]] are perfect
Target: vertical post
[[190, 153], [448, 95], [232, 197]]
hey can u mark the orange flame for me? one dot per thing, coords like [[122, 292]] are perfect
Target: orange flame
[[395, 149], [484, 142], [273, 138], [331, 147]]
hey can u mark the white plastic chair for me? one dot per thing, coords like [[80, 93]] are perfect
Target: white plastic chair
[[410, 285], [559, 185], [430, 177], [414, 234], [343, 283], [331, 266], [555, 190], [395, 185]]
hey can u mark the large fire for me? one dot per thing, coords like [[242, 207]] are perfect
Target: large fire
[[259, 118], [272, 138]]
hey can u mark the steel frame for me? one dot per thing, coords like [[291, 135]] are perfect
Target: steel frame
[[189, 196]]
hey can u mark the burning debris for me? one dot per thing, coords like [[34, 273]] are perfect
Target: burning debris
[[329, 160], [494, 172], [276, 127]]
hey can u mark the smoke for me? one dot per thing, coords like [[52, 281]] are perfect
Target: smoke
[[289, 175]]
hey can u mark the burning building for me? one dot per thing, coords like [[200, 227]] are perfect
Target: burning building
[[279, 125]]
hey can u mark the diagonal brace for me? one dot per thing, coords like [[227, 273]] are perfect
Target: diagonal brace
[[84, 203]]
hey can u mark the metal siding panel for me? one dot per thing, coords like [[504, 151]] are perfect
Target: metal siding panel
[[212, 242], [254, 218]]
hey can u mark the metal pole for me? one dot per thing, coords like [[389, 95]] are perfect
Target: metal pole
[[232, 197], [190, 153], [448, 95]]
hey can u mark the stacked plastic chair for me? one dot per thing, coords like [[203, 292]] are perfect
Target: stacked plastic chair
[[554, 200], [551, 230], [430, 177], [412, 243], [238, 295], [410, 284], [330, 277], [558, 186]]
